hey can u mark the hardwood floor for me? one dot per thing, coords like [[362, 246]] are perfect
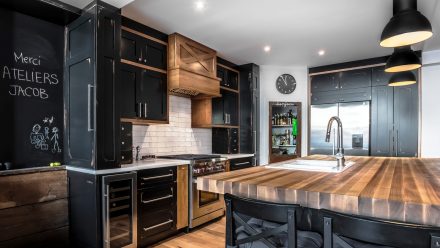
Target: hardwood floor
[[208, 236]]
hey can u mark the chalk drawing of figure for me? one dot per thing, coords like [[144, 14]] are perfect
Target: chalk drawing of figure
[[37, 138], [55, 137], [46, 132]]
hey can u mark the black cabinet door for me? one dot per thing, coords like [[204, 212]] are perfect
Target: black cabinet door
[[130, 47], [230, 108], [130, 76], [355, 95], [325, 97], [325, 82], [379, 77], [218, 117], [232, 79], [406, 120], [382, 121], [152, 94], [355, 79], [222, 74], [153, 54]]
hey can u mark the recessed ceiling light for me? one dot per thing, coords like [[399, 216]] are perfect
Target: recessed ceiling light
[[200, 5], [321, 53], [266, 48]]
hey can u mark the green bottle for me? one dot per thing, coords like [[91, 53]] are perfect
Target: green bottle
[[295, 126]]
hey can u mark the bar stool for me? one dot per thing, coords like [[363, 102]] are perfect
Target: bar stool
[[258, 224], [350, 231]]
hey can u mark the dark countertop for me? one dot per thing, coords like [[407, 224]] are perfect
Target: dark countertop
[[30, 170]]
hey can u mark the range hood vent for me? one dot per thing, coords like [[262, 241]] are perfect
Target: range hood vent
[[192, 68]]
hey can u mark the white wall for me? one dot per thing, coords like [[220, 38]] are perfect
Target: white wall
[[430, 110], [268, 92], [177, 137]]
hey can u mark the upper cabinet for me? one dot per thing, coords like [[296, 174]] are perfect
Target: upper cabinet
[[136, 47], [192, 68], [355, 79], [143, 84], [325, 82], [379, 77], [228, 78]]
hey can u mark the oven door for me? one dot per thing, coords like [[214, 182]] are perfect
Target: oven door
[[205, 202]]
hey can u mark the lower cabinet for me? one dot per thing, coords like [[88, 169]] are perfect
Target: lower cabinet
[[240, 163], [394, 121], [225, 140], [157, 204]]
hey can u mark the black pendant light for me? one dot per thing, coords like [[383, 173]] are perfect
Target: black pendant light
[[403, 59], [408, 26], [402, 79]]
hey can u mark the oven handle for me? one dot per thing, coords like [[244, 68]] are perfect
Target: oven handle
[[158, 225], [156, 177]]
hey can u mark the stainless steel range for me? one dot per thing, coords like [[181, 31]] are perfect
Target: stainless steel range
[[203, 206]]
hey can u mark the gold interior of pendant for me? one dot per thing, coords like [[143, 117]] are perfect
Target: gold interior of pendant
[[403, 83], [406, 39], [400, 68]]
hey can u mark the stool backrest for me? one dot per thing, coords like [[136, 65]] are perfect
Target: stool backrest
[[377, 231], [268, 211]]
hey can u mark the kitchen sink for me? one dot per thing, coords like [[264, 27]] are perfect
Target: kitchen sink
[[313, 165]]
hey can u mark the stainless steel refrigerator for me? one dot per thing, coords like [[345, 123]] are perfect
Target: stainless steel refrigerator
[[355, 117]]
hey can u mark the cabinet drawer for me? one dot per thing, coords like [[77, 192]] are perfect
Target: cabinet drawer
[[156, 222], [155, 176], [157, 197], [241, 163]]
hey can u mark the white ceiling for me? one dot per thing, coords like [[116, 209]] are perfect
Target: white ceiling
[[295, 29]]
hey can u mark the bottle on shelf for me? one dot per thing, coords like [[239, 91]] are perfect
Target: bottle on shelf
[[273, 120]]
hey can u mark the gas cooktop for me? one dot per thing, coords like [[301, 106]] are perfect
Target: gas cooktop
[[191, 156]]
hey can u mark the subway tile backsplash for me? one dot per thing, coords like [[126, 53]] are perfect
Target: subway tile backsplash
[[176, 137]]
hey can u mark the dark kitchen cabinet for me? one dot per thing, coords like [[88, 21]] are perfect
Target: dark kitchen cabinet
[[228, 77], [152, 90], [92, 137], [355, 79], [144, 51], [250, 110], [382, 121], [406, 111], [355, 95], [325, 82], [324, 97], [143, 94], [394, 121], [240, 163], [225, 109], [379, 77], [225, 140], [157, 204], [130, 76]]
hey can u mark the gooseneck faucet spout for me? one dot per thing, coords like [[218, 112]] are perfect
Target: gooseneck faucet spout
[[340, 140]]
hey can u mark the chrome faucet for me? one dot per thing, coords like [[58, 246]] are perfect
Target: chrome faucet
[[340, 143]]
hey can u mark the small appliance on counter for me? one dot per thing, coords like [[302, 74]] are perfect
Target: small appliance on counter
[[126, 143]]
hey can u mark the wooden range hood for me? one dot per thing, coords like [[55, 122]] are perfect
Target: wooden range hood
[[192, 68]]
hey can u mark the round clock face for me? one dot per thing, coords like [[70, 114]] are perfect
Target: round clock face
[[286, 84]]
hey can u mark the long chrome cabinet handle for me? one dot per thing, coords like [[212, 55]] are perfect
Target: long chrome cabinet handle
[[90, 105], [145, 110], [139, 110], [156, 177], [397, 142], [158, 225], [243, 163], [158, 199]]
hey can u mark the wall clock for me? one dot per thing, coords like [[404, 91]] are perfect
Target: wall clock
[[286, 84]]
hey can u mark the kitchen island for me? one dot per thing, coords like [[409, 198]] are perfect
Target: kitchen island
[[401, 189]]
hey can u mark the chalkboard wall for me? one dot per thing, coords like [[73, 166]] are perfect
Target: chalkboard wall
[[31, 90]]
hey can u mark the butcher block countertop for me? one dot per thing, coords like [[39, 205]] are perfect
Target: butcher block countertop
[[402, 189]]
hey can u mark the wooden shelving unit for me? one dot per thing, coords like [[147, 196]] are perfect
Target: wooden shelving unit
[[284, 139]]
